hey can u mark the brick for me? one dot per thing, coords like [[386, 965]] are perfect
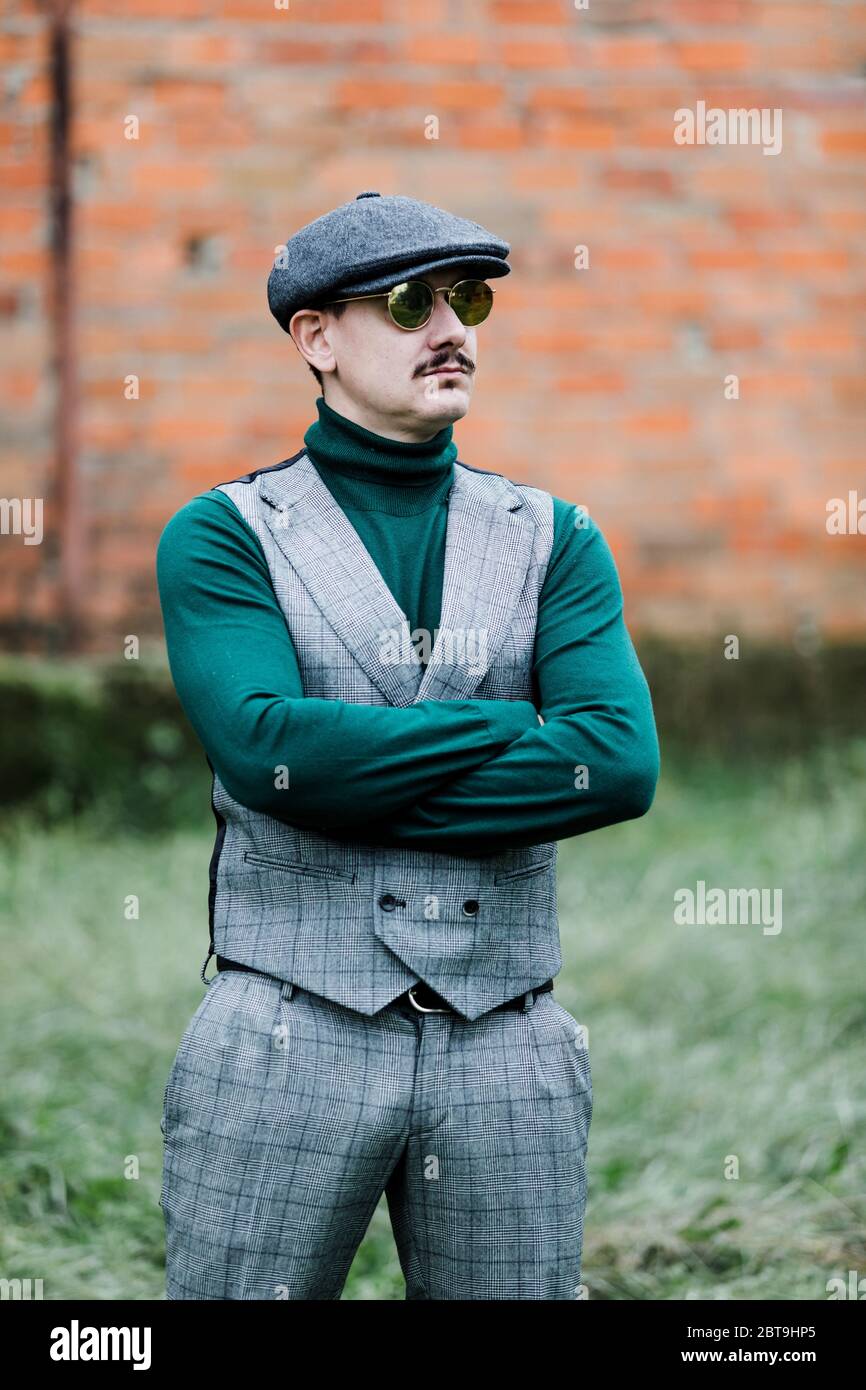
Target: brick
[[730, 337], [500, 136], [185, 48], [471, 95], [812, 261], [150, 10], [551, 98], [844, 142], [324, 12], [764, 219], [585, 135], [535, 176], [373, 96], [450, 50], [631, 54], [592, 383], [654, 181], [618, 258], [423, 15], [178, 177], [662, 421], [725, 258], [526, 12], [715, 57], [535, 53], [817, 339]]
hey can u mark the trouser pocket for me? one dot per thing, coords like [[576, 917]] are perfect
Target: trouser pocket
[[188, 1040]]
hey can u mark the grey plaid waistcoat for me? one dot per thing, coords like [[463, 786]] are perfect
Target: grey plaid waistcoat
[[359, 923]]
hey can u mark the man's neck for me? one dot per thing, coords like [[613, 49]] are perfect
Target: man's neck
[[399, 429], [346, 447]]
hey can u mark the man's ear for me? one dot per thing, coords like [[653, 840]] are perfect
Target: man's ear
[[309, 332]]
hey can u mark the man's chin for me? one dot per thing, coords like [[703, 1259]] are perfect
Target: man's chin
[[448, 402]]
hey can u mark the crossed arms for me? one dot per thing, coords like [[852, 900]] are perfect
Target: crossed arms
[[466, 776]]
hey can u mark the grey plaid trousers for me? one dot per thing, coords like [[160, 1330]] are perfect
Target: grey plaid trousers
[[287, 1115]]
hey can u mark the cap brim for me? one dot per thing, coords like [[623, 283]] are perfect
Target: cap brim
[[484, 267]]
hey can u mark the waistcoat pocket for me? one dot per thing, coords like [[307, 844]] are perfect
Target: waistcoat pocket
[[293, 867], [525, 870]]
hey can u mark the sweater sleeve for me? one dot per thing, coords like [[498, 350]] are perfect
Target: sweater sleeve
[[236, 673], [595, 759]]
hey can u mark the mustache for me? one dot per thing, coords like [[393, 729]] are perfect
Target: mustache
[[446, 359]]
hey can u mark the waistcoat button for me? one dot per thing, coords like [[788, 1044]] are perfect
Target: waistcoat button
[[470, 907], [387, 901]]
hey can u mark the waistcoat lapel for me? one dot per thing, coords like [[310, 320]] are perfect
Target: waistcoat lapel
[[322, 545], [488, 546]]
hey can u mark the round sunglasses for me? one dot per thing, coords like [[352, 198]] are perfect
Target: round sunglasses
[[411, 303]]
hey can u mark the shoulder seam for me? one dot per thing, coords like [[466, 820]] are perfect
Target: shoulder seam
[[487, 472], [257, 472]]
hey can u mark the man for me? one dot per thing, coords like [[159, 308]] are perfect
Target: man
[[412, 678]]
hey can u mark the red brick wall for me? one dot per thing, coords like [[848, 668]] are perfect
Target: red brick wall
[[604, 385]]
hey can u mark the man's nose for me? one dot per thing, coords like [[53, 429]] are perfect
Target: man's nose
[[444, 325]]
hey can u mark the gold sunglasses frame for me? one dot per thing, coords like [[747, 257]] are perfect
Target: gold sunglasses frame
[[447, 290]]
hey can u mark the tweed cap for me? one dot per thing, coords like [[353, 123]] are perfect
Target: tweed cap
[[372, 243]]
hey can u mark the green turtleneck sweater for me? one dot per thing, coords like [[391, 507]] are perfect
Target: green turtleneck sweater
[[459, 775]]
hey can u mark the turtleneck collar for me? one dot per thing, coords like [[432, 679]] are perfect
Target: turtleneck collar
[[349, 449]]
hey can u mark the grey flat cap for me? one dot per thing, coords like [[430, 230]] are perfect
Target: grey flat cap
[[371, 244]]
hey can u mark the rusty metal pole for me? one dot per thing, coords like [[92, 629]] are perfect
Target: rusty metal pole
[[69, 519]]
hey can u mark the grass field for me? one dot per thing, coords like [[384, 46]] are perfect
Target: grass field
[[709, 1044]]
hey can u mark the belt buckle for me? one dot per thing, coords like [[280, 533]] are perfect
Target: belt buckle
[[422, 1008]]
